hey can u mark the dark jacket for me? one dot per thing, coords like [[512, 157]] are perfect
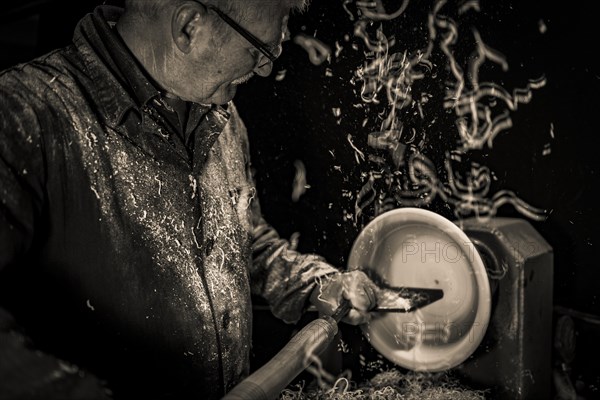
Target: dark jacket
[[122, 249]]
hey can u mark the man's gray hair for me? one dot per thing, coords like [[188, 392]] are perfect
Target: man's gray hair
[[236, 9], [239, 10]]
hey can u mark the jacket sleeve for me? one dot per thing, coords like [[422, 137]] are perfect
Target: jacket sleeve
[[22, 174], [282, 276]]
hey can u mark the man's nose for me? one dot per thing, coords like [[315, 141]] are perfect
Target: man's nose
[[265, 66], [264, 70]]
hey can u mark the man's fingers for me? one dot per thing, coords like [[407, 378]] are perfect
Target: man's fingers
[[356, 317], [371, 292], [354, 286], [360, 290]]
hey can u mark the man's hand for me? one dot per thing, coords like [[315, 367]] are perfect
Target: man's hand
[[354, 286]]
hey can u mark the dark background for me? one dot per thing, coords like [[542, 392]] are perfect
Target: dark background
[[292, 119]]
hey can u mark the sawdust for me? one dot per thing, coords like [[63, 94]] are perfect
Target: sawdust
[[390, 384]]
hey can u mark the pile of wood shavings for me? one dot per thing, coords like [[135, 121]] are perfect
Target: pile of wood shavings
[[391, 384]]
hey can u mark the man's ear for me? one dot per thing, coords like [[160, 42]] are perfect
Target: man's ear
[[188, 20]]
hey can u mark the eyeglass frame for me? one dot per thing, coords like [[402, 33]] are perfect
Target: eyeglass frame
[[253, 40]]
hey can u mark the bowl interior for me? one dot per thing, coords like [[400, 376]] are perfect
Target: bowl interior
[[410, 247]]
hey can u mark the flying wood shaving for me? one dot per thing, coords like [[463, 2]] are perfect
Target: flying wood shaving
[[375, 11], [318, 52], [482, 111], [299, 185], [359, 155]]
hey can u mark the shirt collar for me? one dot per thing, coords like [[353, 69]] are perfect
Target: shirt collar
[[108, 59], [118, 78]]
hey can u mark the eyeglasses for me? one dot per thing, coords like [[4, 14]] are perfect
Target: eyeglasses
[[260, 46]]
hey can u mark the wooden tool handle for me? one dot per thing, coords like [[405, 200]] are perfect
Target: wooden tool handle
[[268, 381]]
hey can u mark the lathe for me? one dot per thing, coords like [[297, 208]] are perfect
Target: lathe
[[479, 298]]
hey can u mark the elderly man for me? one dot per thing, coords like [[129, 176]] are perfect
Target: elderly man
[[131, 236]]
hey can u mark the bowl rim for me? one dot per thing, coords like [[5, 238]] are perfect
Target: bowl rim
[[464, 348]]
